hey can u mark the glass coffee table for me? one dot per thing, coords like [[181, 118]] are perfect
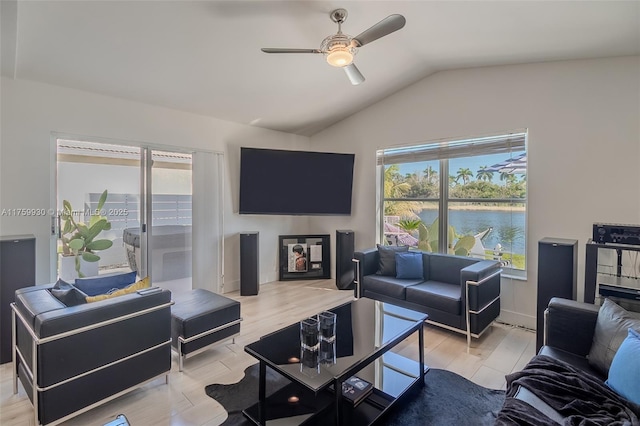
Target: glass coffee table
[[366, 332]]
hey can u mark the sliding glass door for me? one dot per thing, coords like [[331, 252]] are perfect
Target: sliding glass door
[[124, 208], [98, 198], [170, 242]]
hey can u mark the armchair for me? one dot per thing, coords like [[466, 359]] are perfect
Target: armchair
[[71, 359]]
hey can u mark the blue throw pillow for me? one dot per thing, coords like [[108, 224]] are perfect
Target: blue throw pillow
[[625, 368], [103, 284], [409, 265]]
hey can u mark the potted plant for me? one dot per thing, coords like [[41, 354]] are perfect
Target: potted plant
[[79, 241]]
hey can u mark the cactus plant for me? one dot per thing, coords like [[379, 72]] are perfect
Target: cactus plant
[[428, 239], [79, 239]]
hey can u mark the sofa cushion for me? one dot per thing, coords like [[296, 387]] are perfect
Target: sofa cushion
[[33, 303], [104, 284], [409, 265], [387, 259], [574, 360], [437, 295], [388, 286], [446, 268], [68, 293], [625, 368], [131, 288], [62, 320], [611, 330]]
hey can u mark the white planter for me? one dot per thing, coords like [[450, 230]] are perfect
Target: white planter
[[67, 268]]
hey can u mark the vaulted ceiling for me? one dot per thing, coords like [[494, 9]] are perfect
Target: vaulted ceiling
[[204, 56]]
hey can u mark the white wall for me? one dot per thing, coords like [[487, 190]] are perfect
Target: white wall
[[31, 111], [584, 148]]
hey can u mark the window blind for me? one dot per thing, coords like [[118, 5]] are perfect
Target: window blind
[[440, 150]]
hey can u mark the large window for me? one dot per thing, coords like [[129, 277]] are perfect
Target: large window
[[467, 197]]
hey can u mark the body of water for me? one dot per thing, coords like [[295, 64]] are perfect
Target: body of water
[[508, 227]]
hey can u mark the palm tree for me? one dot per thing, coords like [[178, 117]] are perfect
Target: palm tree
[[484, 174], [431, 174], [409, 225], [465, 174], [509, 177], [393, 186]]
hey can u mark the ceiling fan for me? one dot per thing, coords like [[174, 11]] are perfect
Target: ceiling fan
[[340, 48]]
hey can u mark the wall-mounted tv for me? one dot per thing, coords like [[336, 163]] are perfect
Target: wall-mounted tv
[[295, 182]]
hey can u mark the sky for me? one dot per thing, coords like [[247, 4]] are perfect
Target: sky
[[473, 163]]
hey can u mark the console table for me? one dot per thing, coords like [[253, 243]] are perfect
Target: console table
[[612, 283]]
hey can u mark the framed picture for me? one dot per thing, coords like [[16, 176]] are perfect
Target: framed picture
[[297, 256], [304, 257]]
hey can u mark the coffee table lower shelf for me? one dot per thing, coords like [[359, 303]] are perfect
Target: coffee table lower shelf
[[311, 409], [281, 406]]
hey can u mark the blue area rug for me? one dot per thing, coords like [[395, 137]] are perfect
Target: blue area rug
[[446, 399]]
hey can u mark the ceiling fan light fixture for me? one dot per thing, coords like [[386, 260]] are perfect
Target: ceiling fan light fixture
[[339, 58], [338, 50]]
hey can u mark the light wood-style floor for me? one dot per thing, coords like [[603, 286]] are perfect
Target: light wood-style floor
[[502, 350]]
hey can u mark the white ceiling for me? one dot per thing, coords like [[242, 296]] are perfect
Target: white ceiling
[[204, 57]]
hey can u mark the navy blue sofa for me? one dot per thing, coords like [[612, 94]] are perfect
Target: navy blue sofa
[[459, 293]]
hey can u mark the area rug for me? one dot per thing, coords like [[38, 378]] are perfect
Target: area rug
[[446, 399]]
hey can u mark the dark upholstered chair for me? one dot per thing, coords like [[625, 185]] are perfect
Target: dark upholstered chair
[[70, 359]]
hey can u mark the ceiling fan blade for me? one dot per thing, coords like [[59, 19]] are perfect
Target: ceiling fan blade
[[279, 50], [385, 27], [354, 74]]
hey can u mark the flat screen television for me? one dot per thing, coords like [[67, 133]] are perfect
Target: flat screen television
[[295, 182]]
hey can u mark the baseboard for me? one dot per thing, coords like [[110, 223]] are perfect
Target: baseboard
[[516, 318], [231, 286]]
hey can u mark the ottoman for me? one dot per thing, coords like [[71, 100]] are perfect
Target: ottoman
[[200, 318]]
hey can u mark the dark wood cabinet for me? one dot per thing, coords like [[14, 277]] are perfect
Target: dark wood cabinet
[[249, 264], [17, 270], [345, 247], [557, 276]]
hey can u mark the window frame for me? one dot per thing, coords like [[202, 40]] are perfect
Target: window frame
[[464, 147]]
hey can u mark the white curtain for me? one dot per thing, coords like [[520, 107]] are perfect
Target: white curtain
[[207, 221]]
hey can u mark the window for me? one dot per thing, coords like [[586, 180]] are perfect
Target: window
[[467, 197]]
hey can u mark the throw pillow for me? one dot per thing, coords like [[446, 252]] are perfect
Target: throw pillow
[[143, 283], [625, 368], [68, 293], [611, 329], [387, 257], [409, 265], [104, 284]]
